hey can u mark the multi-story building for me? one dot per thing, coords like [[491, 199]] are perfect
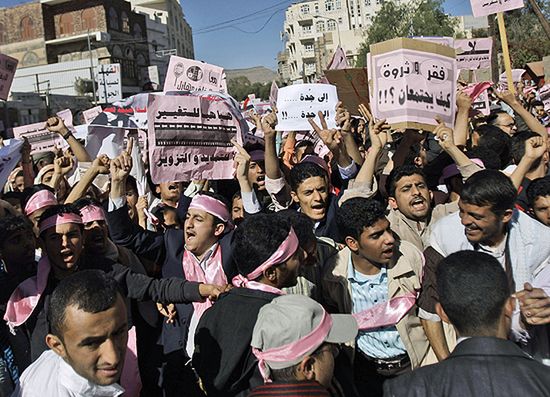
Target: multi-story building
[[314, 28]]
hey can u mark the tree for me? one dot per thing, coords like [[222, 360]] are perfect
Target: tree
[[240, 87], [420, 18], [527, 40]]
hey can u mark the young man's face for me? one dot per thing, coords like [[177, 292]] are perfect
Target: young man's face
[[63, 245], [312, 196], [287, 273], [481, 224], [237, 210], [376, 243], [94, 344], [201, 232], [17, 251], [541, 209], [169, 191], [256, 174], [95, 237], [412, 197]]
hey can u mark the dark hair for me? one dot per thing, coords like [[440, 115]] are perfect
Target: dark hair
[[495, 139], [12, 224], [89, 290], [305, 170], [397, 173], [57, 210], [489, 188], [356, 214], [518, 147], [304, 143], [131, 181], [536, 103], [302, 225], [491, 119], [539, 187], [85, 201], [15, 195], [288, 374], [490, 159], [473, 289], [256, 239], [28, 192]]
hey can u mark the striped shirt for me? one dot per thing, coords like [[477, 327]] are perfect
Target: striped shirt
[[306, 388], [367, 291]]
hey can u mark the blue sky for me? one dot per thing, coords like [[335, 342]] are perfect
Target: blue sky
[[239, 46]]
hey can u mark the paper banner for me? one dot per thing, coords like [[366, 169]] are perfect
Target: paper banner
[[273, 93], [40, 138], [414, 82], [352, 86], [481, 8], [8, 65], [339, 60], [189, 75], [473, 54], [90, 114], [109, 83], [296, 103], [190, 137], [9, 157]]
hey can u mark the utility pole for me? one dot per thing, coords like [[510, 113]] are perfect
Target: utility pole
[[92, 78], [540, 16], [495, 72]]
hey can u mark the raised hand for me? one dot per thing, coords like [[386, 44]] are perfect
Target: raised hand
[[56, 124], [330, 137], [268, 124], [122, 165], [102, 164], [463, 100], [535, 147], [242, 161], [444, 135], [506, 96], [63, 165], [343, 118]]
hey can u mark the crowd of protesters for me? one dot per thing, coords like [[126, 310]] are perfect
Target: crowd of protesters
[[400, 263]]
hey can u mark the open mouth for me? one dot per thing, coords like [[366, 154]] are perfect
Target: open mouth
[[388, 253], [318, 208], [68, 256], [418, 204], [260, 180], [173, 186], [190, 235]]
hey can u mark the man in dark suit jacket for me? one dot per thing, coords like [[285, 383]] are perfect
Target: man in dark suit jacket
[[475, 297]]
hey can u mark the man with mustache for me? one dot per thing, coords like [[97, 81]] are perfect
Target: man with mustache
[[376, 278], [488, 222]]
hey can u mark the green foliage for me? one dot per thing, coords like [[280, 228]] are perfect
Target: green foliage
[[527, 40], [421, 18], [240, 87]]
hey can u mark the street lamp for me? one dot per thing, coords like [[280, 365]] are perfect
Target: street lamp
[[337, 26]]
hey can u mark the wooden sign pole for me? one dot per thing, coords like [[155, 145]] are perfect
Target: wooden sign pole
[[505, 52]]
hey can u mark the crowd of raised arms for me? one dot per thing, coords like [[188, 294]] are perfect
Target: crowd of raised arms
[[400, 263]]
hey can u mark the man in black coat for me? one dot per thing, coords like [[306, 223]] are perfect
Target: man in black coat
[[475, 297], [202, 234]]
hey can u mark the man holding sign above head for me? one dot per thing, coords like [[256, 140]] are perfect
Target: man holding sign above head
[[199, 252]]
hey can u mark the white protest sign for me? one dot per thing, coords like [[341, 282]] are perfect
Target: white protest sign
[[544, 95], [414, 82], [7, 71], [299, 102], [109, 83], [40, 138], [189, 75], [90, 114], [481, 8], [473, 54], [9, 157], [190, 136]]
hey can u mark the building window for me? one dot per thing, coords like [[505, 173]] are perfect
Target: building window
[[316, 7], [29, 59], [329, 5], [304, 9], [125, 22], [338, 4], [306, 29], [27, 28], [138, 34], [320, 26], [340, 20], [113, 19], [66, 24], [367, 3], [89, 19], [308, 47], [3, 34], [331, 25]]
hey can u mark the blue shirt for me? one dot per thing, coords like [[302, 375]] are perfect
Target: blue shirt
[[367, 291]]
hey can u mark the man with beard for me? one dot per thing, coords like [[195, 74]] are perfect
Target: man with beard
[[268, 255], [200, 251], [376, 278], [60, 231], [89, 331], [487, 222]]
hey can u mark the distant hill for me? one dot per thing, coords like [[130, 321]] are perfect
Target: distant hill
[[258, 74]]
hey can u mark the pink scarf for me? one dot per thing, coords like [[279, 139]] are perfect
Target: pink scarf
[[26, 296], [214, 274], [385, 314]]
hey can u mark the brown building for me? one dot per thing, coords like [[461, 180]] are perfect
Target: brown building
[[56, 31]]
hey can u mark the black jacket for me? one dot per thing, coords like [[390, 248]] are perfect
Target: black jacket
[[166, 248], [223, 357], [479, 366]]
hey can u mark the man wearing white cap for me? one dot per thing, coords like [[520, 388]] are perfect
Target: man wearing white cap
[[296, 342]]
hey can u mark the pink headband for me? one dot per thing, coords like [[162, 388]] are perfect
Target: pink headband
[[60, 219], [39, 200], [257, 155], [211, 205], [294, 350], [310, 158], [91, 213], [285, 251]]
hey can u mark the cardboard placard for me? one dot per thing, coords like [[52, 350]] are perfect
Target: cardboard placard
[[352, 86]]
